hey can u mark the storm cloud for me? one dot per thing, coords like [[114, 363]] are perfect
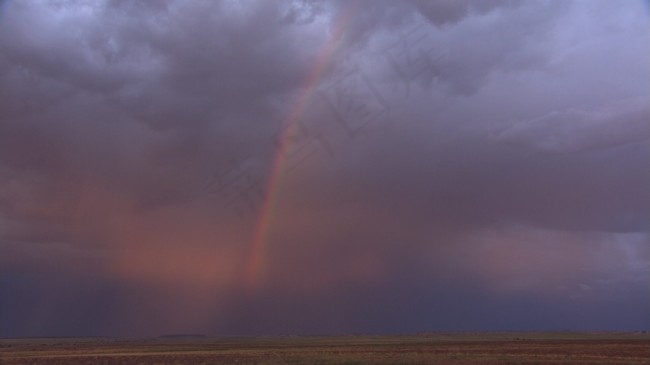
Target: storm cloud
[[298, 167]]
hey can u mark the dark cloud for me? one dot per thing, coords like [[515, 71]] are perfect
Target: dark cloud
[[445, 166], [444, 12]]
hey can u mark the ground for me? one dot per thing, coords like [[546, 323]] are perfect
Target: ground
[[438, 348]]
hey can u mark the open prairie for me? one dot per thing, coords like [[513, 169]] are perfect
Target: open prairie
[[439, 348]]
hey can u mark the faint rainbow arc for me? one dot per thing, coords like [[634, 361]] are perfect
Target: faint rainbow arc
[[254, 259]]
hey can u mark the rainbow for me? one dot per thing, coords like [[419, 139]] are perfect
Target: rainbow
[[254, 260]]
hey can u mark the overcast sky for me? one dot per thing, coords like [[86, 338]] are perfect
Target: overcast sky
[[295, 167]]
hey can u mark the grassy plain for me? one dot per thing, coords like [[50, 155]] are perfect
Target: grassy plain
[[437, 348]]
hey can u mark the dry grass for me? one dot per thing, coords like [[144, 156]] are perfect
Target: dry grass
[[508, 348]]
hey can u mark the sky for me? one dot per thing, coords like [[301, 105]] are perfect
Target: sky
[[323, 167]]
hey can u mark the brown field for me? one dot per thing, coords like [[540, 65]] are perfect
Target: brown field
[[467, 348]]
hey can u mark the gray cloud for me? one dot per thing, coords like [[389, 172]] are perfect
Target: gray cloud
[[446, 154], [614, 124]]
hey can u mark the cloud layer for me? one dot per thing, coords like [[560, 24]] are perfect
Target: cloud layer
[[416, 166]]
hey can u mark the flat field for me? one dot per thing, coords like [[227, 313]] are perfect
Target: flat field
[[437, 348]]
